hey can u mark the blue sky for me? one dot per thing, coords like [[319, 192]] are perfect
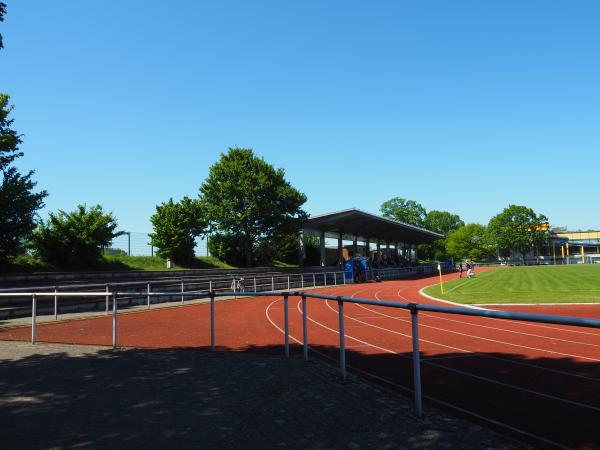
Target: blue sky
[[462, 106]]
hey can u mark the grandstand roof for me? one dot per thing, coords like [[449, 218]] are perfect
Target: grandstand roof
[[360, 223]]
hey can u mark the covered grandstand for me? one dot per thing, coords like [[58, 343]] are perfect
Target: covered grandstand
[[351, 233]]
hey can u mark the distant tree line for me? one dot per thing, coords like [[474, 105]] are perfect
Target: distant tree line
[[515, 230]]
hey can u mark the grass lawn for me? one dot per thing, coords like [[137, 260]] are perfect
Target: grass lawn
[[535, 284], [123, 262], [27, 264]]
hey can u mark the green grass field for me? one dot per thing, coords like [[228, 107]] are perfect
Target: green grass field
[[536, 284]]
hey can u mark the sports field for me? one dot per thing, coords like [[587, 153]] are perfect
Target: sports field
[[534, 284], [504, 374]]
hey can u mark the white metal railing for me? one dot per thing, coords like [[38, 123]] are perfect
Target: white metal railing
[[414, 309], [257, 283]]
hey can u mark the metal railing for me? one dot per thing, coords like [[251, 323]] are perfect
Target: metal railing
[[141, 290], [414, 309]]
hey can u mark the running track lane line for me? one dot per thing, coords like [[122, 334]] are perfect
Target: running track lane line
[[475, 353], [482, 338], [478, 377], [503, 329], [432, 399], [537, 325]]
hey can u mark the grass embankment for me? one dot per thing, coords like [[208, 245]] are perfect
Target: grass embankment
[[26, 264], [537, 284]]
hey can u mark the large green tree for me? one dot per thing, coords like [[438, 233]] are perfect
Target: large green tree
[[441, 222], [176, 225], [468, 242], [249, 201], [76, 238], [518, 229], [407, 211], [18, 201], [19, 205]]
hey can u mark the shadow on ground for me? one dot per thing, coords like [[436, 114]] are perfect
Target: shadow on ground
[[58, 396]]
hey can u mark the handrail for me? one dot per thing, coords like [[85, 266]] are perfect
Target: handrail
[[414, 309]]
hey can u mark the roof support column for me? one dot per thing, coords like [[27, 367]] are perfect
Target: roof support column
[[367, 248], [355, 246], [340, 250], [322, 248], [301, 252], [387, 249]]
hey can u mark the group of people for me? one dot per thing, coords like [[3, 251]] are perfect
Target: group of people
[[469, 266], [382, 260]]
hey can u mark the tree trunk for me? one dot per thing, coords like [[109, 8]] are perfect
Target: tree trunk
[[247, 252]]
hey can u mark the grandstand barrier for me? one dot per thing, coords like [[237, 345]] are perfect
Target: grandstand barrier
[[13, 306], [414, 309]]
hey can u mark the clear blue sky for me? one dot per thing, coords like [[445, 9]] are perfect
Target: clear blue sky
[[462, 106]]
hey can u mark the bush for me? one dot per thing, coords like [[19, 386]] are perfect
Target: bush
[[175, 227], [74, 239]]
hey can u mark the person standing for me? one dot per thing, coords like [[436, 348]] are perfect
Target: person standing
[[460, 270], [469, 270]]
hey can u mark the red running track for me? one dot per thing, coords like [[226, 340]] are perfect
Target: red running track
[[539, 381]]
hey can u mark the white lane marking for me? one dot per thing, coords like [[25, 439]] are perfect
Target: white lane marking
[[472, 355], [537, 325], [480, 337], [541, 304], [509, 331], [458, 286], [428, 397], [477, 377], [484, 355]]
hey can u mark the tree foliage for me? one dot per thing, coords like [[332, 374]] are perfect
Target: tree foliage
[[469, 242], [248, 202], [518, 229], [176, 225], [407, 211], [2, 13], [76, 238], [441, 222], [9, 138], [18, 202], [18, 205]]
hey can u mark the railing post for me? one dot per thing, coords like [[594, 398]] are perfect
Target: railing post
[[55, 304], [106, 298], [286, 325], [33, 318], [334, 278], [344, 276], [314, 281], [304, 328], [416, 358], [212, 321], [114, 336], [255, 285], [302, 280], [342, 335], [148, 295], [272, 284], [288, 283], [182, 291], [325, 279], [209, 285]]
